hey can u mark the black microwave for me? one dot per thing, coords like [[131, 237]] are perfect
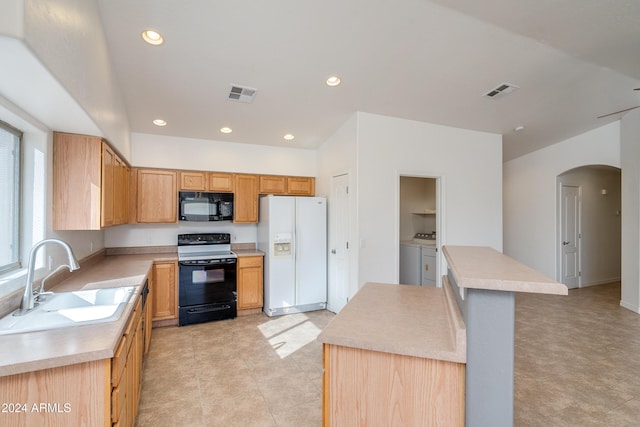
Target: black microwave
[[200, 206]]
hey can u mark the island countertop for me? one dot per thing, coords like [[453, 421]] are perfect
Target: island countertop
[[401, 319], [476, 267], [31, 351]]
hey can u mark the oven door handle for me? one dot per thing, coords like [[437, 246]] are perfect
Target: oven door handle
[[198, 263], [208, 309]]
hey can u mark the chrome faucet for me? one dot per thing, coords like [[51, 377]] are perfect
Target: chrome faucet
[[28, 299]]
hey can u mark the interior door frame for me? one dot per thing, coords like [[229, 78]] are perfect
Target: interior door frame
[[441, 263]]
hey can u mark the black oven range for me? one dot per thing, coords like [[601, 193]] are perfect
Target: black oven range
[[207, 278]]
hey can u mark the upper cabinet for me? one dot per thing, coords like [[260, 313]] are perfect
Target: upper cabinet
[[287, 185], [157, 196], [90, 183], [245, 201], [193, 181], [219, 181], [301, 186], [206, 181], [273, 184]]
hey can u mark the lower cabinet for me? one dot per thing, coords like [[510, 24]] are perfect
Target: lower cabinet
[[126, 371], [364, 387], [102, 392], [165, 290], [249, 284]]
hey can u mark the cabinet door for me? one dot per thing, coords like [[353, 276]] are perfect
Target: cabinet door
[[108, 185], [193, 181], [301, 186], [164, 295], [157, 196], [245, 204], [220, 181], [121, 192], [270, 184], [77, 172], [249, 282]]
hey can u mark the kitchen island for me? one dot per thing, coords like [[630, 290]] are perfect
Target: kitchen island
[[406, 355], [395, 355]]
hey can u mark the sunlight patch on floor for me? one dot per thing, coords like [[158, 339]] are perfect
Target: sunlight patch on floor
[[289, 333]]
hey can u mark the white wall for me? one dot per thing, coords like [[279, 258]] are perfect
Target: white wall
[[67, 37], [600, 222], [337, 156], [208, 155], [469, 163], [530, 193], [630, 158]]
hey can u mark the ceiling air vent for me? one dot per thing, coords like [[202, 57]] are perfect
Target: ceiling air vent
[[242, 93], [501, 90]]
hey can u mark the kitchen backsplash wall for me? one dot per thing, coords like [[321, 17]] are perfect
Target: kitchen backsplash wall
[[166, 234]]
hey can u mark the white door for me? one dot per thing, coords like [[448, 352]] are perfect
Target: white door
[[338, 243], [570, 235], [311, 250]]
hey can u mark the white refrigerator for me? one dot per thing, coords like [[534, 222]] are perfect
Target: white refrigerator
[[292, 232]]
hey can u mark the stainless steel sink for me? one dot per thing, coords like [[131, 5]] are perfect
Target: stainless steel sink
[[70, 309]]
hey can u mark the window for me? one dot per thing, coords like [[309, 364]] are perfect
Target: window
[[9, 197]]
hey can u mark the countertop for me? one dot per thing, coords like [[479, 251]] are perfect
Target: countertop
[[478, 267], [33, 351], [401, 319], [247, 252]]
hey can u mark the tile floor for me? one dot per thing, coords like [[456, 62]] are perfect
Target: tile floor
[[249, 371], [577, 360], [577, 363]]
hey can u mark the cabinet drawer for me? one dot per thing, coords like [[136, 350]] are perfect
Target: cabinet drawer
[[118, 403], [118, 362], [252, 261]]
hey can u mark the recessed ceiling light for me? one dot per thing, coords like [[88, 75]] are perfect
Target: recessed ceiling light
[[159, 122], [226, 129], [289, 137], [518, 128], [152, 37], [333, 81]]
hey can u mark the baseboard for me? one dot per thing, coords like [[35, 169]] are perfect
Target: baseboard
[[631, 307], [601, 282]]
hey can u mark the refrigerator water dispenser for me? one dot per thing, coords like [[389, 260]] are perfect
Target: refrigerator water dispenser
[[282, 244]]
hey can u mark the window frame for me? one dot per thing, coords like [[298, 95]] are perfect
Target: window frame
[[17, 195]]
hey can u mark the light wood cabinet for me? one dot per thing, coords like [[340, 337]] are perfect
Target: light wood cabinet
[[165, 290], [156, 196], [219, 181], [96, 393], [364, 387], [301, 186], [272, 184], [245, 203], [90, 190], [126, 371], [249, 280], [193, 181], [206, 181]]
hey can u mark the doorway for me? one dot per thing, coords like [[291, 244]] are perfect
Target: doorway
[[338, 287], [589, 226], [419, 233]]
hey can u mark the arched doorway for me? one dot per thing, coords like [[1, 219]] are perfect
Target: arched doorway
[[588, 226]]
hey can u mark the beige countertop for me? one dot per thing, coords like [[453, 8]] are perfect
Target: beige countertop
[[37, 350], [401, 319], [247, 252], [485, 268]]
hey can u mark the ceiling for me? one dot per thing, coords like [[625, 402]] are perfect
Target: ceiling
[[430, 61]]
